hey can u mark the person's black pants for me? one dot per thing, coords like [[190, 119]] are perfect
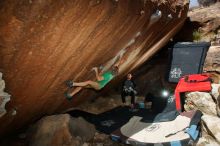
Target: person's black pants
[[124, 94]]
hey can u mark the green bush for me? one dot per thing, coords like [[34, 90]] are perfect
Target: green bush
[[196, 35]]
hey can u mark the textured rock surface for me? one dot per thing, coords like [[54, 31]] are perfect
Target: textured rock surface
[[44, 43], [204, 14], [216, 94], [97, 106], [4, 97], [212, 61], [61, 130], [215, 90], [202, 101], [212, 126], [209, 18], [208, 103], [207, 140], [206, 3]]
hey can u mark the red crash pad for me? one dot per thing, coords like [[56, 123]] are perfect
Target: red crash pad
[[194, 82]]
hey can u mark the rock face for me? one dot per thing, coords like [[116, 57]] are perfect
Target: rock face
[[44, 43], [207, 140], [61, 130], [216, 95], [212, 62], [206, 3], [202, 101], [205, 14], [212, 125], [209, 19], [208, 104], [4, 97]]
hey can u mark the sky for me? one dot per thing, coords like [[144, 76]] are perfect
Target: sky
[[193, 3]]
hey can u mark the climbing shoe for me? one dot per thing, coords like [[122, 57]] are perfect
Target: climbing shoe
[[69, 83], [67, 96]]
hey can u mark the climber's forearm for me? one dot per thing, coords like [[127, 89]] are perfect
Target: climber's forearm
[[98, 76]]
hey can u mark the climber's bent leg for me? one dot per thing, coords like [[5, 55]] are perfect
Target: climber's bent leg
[[76, 90], [88, 84]]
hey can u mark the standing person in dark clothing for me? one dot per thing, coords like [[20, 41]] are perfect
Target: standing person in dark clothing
[[128, 89]]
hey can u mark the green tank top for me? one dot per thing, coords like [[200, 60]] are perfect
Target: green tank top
[[108, 76]]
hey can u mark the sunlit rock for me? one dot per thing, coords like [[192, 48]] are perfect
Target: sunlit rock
[[212, 61], [207, 140], [212, 126], [4, 97], [202, 101]]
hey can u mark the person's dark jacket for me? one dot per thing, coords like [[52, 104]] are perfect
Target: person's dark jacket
[[129, 86]]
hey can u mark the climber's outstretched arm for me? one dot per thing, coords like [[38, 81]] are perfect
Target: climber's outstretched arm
[[97, 74], [119, 62]]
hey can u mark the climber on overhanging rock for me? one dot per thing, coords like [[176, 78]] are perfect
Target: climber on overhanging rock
[[101, 80]]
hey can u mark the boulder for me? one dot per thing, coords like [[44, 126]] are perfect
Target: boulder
[[208, 103], [46, 42], [80, 127], [60, 130], [212, 62], [215, 90], [211, 123], [206, 3], [215, 76], [216, 95], [206, 140], [206, 14], [202, 101]]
